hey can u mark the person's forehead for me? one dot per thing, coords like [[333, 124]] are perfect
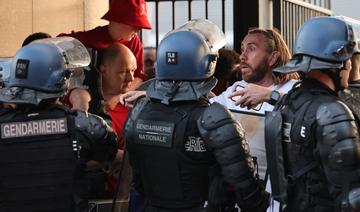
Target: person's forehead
[[128, 64], [256, 38]]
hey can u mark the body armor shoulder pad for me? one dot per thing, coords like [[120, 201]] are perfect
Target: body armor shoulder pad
[[214, 114], [338, 136], [329, 113], [217, 126], [93, 126], [336, 123]]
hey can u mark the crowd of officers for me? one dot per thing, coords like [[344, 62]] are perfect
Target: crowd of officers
[[186, 154]]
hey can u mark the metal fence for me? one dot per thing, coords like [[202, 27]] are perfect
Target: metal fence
[[166, 15], [289, 15], [233, 16], [321, 3]]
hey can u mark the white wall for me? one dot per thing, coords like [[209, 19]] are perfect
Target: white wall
[[19, 18]]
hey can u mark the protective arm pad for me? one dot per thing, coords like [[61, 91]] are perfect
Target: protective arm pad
[[103, 143], [338, 146], [225, 138]]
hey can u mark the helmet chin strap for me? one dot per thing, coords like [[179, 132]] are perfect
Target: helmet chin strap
[[335, 76]]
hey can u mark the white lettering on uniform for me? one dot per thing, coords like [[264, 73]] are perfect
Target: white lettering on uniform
[[6, 130], [156, 128], [30, 128], [34, 128], [47, 129], [286, 132], [195, 144], [42, 127], [302, 131], [157, 138], [62, 125]]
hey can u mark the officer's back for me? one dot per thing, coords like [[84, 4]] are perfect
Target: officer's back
[[44, 147], [184, 151]]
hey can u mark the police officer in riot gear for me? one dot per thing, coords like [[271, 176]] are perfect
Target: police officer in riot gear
[[175, 138], [351, 96], [312, 139], [44, 148]]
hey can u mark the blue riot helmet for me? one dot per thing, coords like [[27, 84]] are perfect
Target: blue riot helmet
[[185, 62], [321, 43], [189, 53], [41, 70]]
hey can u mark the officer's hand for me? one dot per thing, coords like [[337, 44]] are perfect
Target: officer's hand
[[80, 98], [92, 165], [116, 164], [128, 99], [8, 105], [251, 95]]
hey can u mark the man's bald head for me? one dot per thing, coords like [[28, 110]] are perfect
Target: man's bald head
[[118, 50]]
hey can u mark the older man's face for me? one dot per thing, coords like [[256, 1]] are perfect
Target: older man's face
[[118, 75]]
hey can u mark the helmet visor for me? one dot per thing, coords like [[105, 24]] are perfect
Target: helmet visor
[[74, 52], [211, 32]]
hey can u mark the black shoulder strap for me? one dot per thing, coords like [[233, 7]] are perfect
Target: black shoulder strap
[[274, 155]]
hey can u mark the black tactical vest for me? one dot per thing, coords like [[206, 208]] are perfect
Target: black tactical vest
[[307, 187], [37, 161], [170, 155]]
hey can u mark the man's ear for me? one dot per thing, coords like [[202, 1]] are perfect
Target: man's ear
[[274, 56]]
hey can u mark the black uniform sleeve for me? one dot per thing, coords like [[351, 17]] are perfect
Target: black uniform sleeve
[[99, 141], [339, 151], [225, 138]]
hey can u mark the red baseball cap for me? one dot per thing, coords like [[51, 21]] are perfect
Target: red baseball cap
[[129, 12]]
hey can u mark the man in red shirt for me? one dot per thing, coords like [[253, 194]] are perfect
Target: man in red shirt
[[116, 74], [126, 18]]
